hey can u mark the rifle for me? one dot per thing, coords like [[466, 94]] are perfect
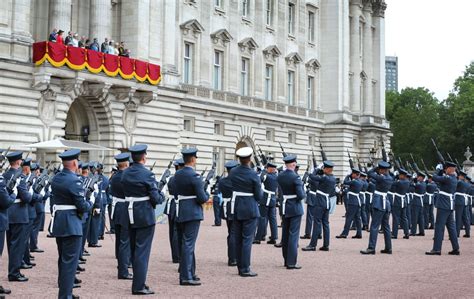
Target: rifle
[[384, 153], [203, 172], [164, 177], [11, 184], [315, 164], [358, 163], [152, 166], [282, 150], [323, 154], [210, 175], [440, 156], [424, 166], [263, 158], [89, 185], [457, 163], [4, 156], [415, 166], [351, 163], [397, 164], [255, 157], [42, 180], [306, 174], [458, 169]]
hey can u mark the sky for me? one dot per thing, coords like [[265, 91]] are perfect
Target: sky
[[433, 39]]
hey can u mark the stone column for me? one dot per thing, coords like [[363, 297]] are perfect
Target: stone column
[[134, 28], [379, 57], [21, 36], [100, 20], [355, 60], [367, 104], [171, 44], [60, 15]]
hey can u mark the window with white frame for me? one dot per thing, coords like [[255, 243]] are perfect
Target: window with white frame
[[311, 29], [244, 76], [311, 140], [268, 82], [270, 134], [291, 88], [292, 137], [218, 3], [217, 76], [219, 127], [310, 92], [269, 12], [291, 18], [188, 63], [245, 8], [188, 123]]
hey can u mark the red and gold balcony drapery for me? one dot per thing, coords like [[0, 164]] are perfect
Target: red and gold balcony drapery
[[95, 62]]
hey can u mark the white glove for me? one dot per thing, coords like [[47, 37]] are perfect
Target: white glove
[[92, 198], [42, 193], [30, 190], [15, 192], [439, 166], [96, 188], [321, 166], [396, 173]]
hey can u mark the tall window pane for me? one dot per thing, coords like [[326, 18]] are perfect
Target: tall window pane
[[268, 12], [244, 77], [217, 82], [245, 8], [268, 82], [311, 26], [187, 64], [291, 18], [291, 88], [310, 92]]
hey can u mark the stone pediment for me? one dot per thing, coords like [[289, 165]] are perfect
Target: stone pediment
[[313, 64], [363, 75], [294, 58], [192, 25], [272, 51], [248, 43], [221, 35]]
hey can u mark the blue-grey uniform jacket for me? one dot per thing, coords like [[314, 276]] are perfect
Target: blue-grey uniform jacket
[[190, 195], [270, 185], [354, 188], [447, 187], [18, 212], [6, 200], [383, 183], [326, 187], [247, 192], [400, 188], [292, 191], [119, 205]]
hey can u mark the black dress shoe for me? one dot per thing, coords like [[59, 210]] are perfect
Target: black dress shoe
[[31, 264], [216, 225], [386, 251], [37, 250], [77, 272], [110, 233], [76, 285], [231, 263], [431, 227], [128, 277], [81, 262], [324, 248], [82, 259], [394, 237], [305, 237], [32, 257], [368, 251], [271, 241], [466, 236], [77, 280], [192, 283], [94, 245], [75, 296], [101, 237], [196, 278], [248, 274], [406, 237], [145, 291], [80, 269], [25, 266], [356, 237], [320, 237], [256, 242], [294, 267], [454, 252], [278, 245], [19, 278], [309, 248], [175, 261], [4, 291], [420, 235], [341, 237], [432, 252], [49, 236]]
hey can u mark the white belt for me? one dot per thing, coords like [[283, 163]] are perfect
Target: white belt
[[370, 197], [269, 196], [451, 199], [420, 196], [463, 195], [384, 196], [224, 205], [354, 194], [325, 195], [59, 208], [130, 201], [17, 200], [168, 204], [402, 197], [180, 198], [285, 198], [236, 194], [430, 195], [115, 200]]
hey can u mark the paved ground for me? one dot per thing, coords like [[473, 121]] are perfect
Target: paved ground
[[341, 272]]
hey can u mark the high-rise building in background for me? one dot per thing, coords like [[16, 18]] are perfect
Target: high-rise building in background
[[391, 73]]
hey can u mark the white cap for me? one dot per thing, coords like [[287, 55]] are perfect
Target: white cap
[[244, 152]]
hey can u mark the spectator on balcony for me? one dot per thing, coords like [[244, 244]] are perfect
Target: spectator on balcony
[[121, 49], [127, 53], [75, 40], [52, 35], [82, 42], [88, 44], [116, 49], [110, 49], [68, 40], [95, 45], [59, 37], [104, 48]]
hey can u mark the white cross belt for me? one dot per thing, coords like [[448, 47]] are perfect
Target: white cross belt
[[180, 198], [130, 201], [115, 200], [59, 208], [236, 194], [285, 199], [326, 196]]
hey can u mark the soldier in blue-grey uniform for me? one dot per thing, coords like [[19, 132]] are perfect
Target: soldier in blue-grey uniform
[[363, 200], [312, 187], [39, 208], [216, 203], [225, 188], [95, 214], [105, 200], [353, 204], [399, 216], [17, 216], [369, 199], [428, 202], [326, 186], [170, 210], [6, 200], [417, 216], [268, 205], [446, 178], [292, 192], [86, 215], [471, 198], [142, 196], [119, 216], [247, 192], [380, 208], [190, 195], [68, 204], [461, 202]]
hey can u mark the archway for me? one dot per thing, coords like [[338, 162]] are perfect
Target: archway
[[244, 142]]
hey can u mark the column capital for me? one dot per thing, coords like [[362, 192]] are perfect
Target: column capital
[[379, 7]]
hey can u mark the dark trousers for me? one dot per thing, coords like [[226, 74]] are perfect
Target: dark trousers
[[363, 215], [380, 218], [321, 221], [243, 232], [94, 228], [399, 216], [36, 230], [111, 222], [429, 215], [173, 238], [409, 207], [29, 230], [122, 249], [231, 255], [217, 210], [289, 239], [309, 221], [418, 219], [187, 236], [267, 215], [352, 215], [68, 257], [16, 243], [445, 218], [41, 226], [2, 241], [140, 248], [85, 232], [462, 219], [102, 221]]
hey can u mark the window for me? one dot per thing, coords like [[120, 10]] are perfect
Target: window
[[188, 64], [311, 140], [218, 156], [268, 82], [217, 82], [291, 88], [291, 18], [244, 77], [269, 12], [218, 3], [270, 134], [310, 92], [219, 127], [245, 8], [188, 124], [292, 137], [311, 29]]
